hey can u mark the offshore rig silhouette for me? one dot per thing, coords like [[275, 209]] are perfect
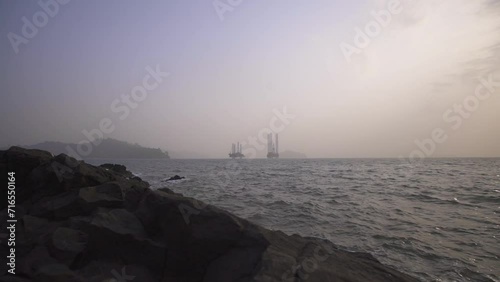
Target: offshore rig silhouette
[[272, 148], [236, 151]]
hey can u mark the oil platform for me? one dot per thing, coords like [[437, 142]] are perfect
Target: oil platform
[[236, 151], [272, 148]]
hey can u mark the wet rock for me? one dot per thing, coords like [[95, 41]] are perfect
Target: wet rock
[[175, 177], [121, 169]]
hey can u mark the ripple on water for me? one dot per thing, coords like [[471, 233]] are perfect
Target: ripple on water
[[437, 221]]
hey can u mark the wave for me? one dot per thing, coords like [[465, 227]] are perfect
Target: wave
[[438, 216]]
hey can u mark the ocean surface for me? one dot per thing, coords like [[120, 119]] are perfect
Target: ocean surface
[[438, 220]]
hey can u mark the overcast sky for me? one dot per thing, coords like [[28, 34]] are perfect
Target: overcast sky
[[232, 65]]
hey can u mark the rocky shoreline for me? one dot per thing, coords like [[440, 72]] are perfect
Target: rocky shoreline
[[78, 222]]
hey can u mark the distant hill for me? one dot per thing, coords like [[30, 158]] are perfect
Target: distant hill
[[107, 149], [292, 155]]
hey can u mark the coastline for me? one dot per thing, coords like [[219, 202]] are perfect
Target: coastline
[[79, 222]]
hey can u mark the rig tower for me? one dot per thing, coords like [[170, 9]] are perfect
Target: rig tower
[[236, 151], [272, 148]]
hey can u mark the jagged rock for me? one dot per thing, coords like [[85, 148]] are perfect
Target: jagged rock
[[38, 257], [118, 236], [36, 230], [22, 162], [175, 177], [121, 169], [120, 222], [66, 244], [60, 206], [133, 192], [210, 234], [99, 271], [56, 272], [34, 225], [92, 224], [105, 195]]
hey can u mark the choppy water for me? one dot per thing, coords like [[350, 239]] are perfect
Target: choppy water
[[439, 221]]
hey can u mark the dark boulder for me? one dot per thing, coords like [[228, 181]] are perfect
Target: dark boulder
[[105, 195], [67, 244], [120, 169], [118, 236], [60, 206], [36, 230], [56, 272], [99, 271], [22, 162], [175, 177]]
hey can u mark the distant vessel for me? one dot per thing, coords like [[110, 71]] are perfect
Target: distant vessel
[[272, 149], [236, 151]]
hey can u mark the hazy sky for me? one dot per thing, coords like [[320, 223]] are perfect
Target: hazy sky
[[230, 67]]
